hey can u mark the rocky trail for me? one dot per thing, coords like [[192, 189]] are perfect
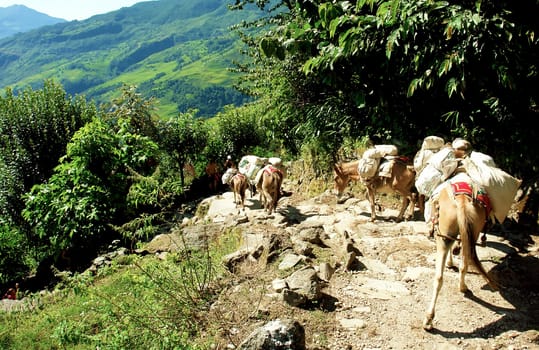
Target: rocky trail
[[375, 297], [372, 280]]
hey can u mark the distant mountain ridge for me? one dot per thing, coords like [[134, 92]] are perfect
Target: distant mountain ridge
[[178, 51], [19, 19]]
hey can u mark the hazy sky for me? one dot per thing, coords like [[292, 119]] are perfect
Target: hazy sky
[[71, 9]]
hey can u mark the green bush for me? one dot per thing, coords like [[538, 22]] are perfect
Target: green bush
[[14, 259], [88, 191], [35, 127]]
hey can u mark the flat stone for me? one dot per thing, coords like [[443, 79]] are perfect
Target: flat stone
[[413, 273], [352, 323], [382, 289], [376, 266], [289, 261], [279, 285]]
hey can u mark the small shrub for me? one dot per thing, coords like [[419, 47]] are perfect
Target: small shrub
[[15, 260]]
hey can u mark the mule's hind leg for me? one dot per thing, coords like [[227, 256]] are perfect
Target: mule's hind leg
[[269, 203], [275, 198], [411, 204], [235, 196], [442, 249], [371, 193], [263, 199], [404, 206], [463, 269], [243, 189], [272, 198], [265, 196], [449, 262]]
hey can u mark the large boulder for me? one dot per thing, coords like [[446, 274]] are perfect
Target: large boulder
[[276, 335]]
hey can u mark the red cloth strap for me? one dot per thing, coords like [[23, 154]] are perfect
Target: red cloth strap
[[271, 169], [481, 195], [462, 188]]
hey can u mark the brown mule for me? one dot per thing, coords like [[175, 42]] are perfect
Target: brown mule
[[212, 172], [401, 182], [238, 183], [460, 217], [270, 187]]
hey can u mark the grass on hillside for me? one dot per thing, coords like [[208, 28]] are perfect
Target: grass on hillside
[[136, 303]]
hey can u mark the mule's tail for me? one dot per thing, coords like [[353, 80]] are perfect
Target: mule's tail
[[278, 179], [466, 217]]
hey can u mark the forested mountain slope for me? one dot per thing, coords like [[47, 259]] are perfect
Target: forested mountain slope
[[175, 50]]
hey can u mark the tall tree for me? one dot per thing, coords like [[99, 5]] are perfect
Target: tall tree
[[88, 192], [404, 69], [182, 138], [35, 127]]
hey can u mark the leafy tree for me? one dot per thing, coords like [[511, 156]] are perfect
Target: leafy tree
[[296, 108], [134, 109], [237, 130], [14, 259], [403, 69], [182, 138], [88, 192], [35, 127]]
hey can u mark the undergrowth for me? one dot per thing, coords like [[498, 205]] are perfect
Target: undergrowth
[[136, 303]]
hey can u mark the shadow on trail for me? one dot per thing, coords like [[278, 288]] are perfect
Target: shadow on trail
[[518, 276], [293, 215]]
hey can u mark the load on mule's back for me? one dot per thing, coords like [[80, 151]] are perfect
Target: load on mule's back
[[380, 169], [238, 184], [465, 191], [270, 187], [458, 157], [236, 180], [251, 166]]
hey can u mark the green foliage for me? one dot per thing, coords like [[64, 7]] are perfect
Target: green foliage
[[144, 304], [398, 71], [296, 108], [14, 259], [131, 113], [182, 138], [235, 132], [75, 204], [353, 148], [35, 127], [89, 190], [317, 159]]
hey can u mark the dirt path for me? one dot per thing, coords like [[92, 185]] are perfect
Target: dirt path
[[381, 304], [391, 294]]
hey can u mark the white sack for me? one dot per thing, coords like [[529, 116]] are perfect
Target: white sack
[[432, 143], [439, 167], [228, 175], [249, 165], [478, 157], [387, 150], [367, 167], [500, 186], [421, 159], [373, 153], [445, 161]]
